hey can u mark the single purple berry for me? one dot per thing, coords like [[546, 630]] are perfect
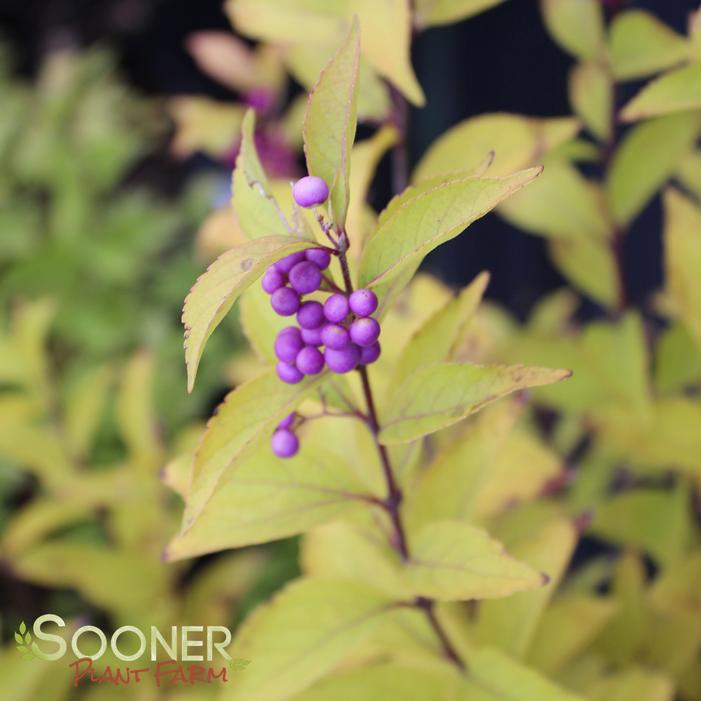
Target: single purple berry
[[336, 307], [310, 191], [365, 331], [285, 301], [288, 373], [305, 277], [288, 343], [287, 421], [342, 361], [310, 315], [272, 280], [284, 265], [334, 336], [285, 444], [310, 361], [363, 302], [312, 337], [320, 256], [370, 354]]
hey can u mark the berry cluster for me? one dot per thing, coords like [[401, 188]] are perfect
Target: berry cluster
[[339, 333]]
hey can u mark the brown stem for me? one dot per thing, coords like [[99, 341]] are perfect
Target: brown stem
[[428, 606]]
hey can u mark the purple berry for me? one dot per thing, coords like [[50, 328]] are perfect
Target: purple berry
[[285, 444], [287, 421], [336, 307], [334, 336], [272, 280], [284, 265], [342, 361], [288, 343], [370, 354], [365, 331], [319, 256], [312, 337], [288, 373], [310, 361], [305, 277], [310, 315], [310, 191], [285, 301], [363, 302]]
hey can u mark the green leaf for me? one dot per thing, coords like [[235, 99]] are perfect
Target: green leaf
[[496, 677], [591, 97], [261, 498], [433, 13], [257, 211], [19, 639], [641, 45], [682, 243], [633, 685], [22, 628], [647, 157], [516, 141], [330, 122], [301, 635], [676, 91], [251, 410], [216, 290], [433, 342], [576, 25], [452, 561], [443, 394], [423, 219]]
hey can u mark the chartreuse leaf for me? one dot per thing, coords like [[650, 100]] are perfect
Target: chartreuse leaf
[[257, 212], [640, 45], [440, 395], [259, 325], [259, 498], [428, 219], [301, 635], [676, 91], [647, 157], [633, 685], [381, 682], [453, 561], [433, 342], [516, 142], [330, 122], [682, 242], [591, 97], [496, 677], [432, 13], [576, 25], [249, 411], [219, 287], [568, 627]]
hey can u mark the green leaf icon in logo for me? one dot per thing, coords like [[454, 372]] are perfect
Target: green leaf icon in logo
[[238, 664], [23, 638]]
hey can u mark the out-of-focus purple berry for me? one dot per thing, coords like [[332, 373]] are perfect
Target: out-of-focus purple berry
[[287, 421], [370, 354], [310, 315], [365, 331], [334, 336], [310, 191], [288, 343], [363, 302], [305, 277], [284, 265], [285, 444], [272, 280], [288, 373], [342, 361], [285, 301], [336, 307], [320, 256], [312, 337], [310, 361], [261, 99]]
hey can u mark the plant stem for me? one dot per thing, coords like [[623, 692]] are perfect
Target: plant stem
[[428, 606]]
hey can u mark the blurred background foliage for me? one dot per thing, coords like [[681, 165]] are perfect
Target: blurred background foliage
[[96, 255]]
